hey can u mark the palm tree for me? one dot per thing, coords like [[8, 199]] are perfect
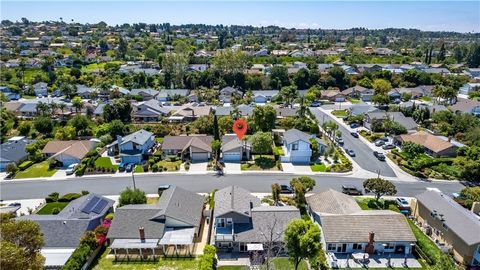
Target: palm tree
[[62, 106], [289, 93], [52, 106], [77, 102], [42, 108]]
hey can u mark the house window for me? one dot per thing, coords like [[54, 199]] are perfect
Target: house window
[[221, 223], [295, 146], [389, 245], [357, 246], [229, 221], [331, 247]]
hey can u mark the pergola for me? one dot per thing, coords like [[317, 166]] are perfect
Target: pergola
[[132, 245], [180, 239]]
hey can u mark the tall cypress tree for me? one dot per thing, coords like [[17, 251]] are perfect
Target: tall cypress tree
[[216, 132]]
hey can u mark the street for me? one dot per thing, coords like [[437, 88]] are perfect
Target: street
[[106, 185], [364, 155]]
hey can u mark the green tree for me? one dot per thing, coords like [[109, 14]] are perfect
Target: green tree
[[412, 149], [216, 145], [302, 239], [278, 77], [381, 86], [289, 94], [264, 118], [43, 124], [132, 196], [216, 131], [380, 187], [77, 103], [262, 142], [80, 123], [151, 53], [24, 128], [11, 168], [307, 182], [442, 53], [470, 195], [276, 193], [341, 79]]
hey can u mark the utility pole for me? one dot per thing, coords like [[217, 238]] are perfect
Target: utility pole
[[133, 179]]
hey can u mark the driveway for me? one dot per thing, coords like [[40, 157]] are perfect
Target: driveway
[[364, 154], [296, 168], [232, 167], [198, 167]]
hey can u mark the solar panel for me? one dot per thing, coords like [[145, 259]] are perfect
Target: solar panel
[[88, 208], [99, 207]]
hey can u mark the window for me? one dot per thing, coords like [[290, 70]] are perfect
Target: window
[[221, 223], [229, 221], [357, 246], [331, 247], [389, 245], [295, 146]]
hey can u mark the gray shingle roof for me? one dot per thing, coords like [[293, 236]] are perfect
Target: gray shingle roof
[[462, 222], [293, 135], [398, 117], [140, 137], [332, 202], [14, 151], [231, 142], [234, 199]]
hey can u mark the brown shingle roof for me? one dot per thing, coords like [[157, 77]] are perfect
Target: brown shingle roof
[[332, 202], [427, 140], [182, 142], [76, 149]]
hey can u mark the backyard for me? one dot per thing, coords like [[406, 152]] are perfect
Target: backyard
[[36, 170], [47, 209], [261, 163], [371, 204], [105, 263]]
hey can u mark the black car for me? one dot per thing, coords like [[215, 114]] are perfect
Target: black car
[[351, 190], [354, 134], [129, 167], [379, 155], [286, 189]]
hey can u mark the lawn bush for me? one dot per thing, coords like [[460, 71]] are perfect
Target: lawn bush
[[52, 197], [207, 260], [25, 165], [55, 210], [79, 257], [109, 216], [69, 197], [81, 169]]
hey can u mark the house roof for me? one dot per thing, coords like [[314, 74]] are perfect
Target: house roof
[[152, 106], [285, 111], [231, 142], [264, 220], [265, 93], [332, 202], [398, 117], [182, 142], [360, 109], [465, 105], [244, 110], [234, 199], [151, 92], [14, 151], [356, 88], [76, 149], [330, 93], [191, 110], [387, 225], [293, 135], [174, 92], [175, 203], [465, 224], [139, 137], [427, 140]]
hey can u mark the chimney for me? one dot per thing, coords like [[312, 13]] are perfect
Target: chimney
[[142, 234], [370, 249]]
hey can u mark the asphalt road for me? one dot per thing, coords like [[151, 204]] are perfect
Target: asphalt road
[[107, 185], [363, 154]]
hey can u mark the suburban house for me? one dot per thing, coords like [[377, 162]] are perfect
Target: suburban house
[[450, 225], [371, 118], [62, 232], [172, 94], [13, 151], [357, 91], [9, 94], [194, 147], [394, 94], [242, 110], [433, 145], [297, 146], [234, 149], [171, 226], [346, 228], [283, 112], [263, 96], [133, 147], [189, 112], [467, 106], [332, 95], [227, 93], [241, 224], [148, 111], [146, 94], [40, 89], [361, 109], [468, 87], [84, 91], [68, 152]]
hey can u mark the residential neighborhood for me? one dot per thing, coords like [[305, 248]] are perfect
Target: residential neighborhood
[[173, 142]]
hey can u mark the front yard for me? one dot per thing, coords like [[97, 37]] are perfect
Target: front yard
[[318, 167], [105, 162], [47, 209], [36, 170], [169, 166], [340, 113], [262, 163], [370, 136], [371, 204]]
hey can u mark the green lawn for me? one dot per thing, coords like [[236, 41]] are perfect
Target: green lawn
[[371, 204], [171, 166], [29, 97], [159, 139], [263, 163], [139, 169], [47, 208], [425, 98], [278, 150], [36, 170], [340, 113], [354, 100], [318, 167], [168, 264], [233, 267], [95, 66], [105, 162], [286, 264]]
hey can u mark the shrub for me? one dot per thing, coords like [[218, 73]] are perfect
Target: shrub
[[132, 196], [207, 260], [100, 230], [52, 197], [187, 166], [109, 216], [154, 168], [25, 165], [89, 239], [55, 210], [81, 169], [69, 197], [173, 159], [85, 192], [78, 258]]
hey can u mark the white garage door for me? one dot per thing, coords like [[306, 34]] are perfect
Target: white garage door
[[199, 156]]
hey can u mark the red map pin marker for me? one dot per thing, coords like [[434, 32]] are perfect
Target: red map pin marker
[[240, 128]]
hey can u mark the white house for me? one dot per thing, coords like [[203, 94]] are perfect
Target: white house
[[133, 147], [296, 146]]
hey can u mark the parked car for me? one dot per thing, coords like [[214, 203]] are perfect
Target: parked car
[[286, 189], [402, 203], [351, 190], [354, 134], [15, 204], [339, 141], [354, 125], [379, 155], [315, 104], [379, 142], [121, 167], [350, 152], [129, 167], [385, 139], [388, 146], [71, 168]]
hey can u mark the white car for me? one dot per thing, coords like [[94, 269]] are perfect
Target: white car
[[71, 168]]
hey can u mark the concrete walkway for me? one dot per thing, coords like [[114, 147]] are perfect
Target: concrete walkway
[[232, 168]]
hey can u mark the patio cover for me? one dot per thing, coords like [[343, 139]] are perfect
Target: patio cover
[[134, 243], [178, 237], [56, 257], [254, 247]]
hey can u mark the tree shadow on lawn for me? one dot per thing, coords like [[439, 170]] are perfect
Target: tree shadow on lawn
[[265, 162]]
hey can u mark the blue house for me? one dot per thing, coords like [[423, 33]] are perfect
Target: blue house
[[40, 89], [133, 147], [263, 96], [297, 146], [9, 93]]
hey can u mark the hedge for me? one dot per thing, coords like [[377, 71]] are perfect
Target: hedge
[[79, 258], [25, 165], [69, 197], [207, 260]]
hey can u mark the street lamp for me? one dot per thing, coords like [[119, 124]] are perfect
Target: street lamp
[[133, 179]]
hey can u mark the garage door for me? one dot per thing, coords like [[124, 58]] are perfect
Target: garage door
[[339, 99], [300, 159], [199, 156], [229, 156]]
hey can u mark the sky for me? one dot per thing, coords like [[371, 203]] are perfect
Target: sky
[[459, 16]]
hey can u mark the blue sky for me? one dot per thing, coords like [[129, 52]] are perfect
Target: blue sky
[[425, 15]]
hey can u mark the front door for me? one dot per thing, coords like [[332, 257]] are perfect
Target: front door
[[341, 248]]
